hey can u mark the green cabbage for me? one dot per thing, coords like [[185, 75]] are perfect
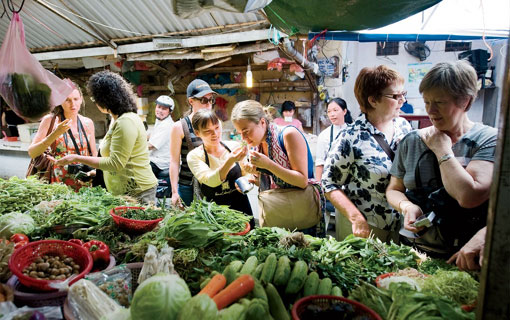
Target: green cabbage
[[199, 307], [15, 222], [160, 297]]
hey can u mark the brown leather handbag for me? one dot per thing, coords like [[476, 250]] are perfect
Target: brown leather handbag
[[41, 166]]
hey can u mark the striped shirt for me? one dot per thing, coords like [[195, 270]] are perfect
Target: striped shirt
[[185, 175]]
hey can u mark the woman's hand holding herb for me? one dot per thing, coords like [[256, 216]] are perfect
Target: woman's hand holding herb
[[260, 160]]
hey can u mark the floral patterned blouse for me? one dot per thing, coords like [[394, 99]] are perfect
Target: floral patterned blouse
[[358, 165], [64, 146]]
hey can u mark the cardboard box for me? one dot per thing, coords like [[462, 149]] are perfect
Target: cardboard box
[[27, 131]]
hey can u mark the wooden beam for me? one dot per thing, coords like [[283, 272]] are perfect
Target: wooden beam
[[228, 48], [265, 85], [240, 50], [495, 278], [206, 64]]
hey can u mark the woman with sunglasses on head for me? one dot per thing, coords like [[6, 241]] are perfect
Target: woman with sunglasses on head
[[448, 165], [183, 139], [215, 164], [356, 170], [71, 133], [280, 159]]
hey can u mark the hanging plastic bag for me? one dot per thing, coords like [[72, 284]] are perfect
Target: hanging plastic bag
[[30, 90]]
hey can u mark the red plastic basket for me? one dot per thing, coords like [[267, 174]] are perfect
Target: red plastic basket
[[25, 255], [131, 225], [245, 231], [325, 301]]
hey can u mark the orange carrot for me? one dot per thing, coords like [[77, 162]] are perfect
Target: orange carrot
[[236, 290], [217, 283]]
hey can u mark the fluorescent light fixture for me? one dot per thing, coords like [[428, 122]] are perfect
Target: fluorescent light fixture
[[160, 43], [249, 77]]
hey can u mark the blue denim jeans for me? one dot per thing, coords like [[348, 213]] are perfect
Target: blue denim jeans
[[186, 194]]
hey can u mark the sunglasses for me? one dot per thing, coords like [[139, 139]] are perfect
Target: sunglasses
[[205, 100], [397, 96]]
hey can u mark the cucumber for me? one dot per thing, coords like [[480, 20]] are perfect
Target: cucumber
[[257, 310], [204, 283], [236, 265], [230, 274], [234, 312], [325, 286], [282, 273], [336, 291], [258, 291], [276, 306], [258, 270], [269, 268], [250, 265], [311, 284], [297, 277]]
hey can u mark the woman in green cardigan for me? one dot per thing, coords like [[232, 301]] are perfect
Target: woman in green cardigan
[[124, 152]]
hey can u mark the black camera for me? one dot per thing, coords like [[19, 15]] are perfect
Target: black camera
[[80, 171]]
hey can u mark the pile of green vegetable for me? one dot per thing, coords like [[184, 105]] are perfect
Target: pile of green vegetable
[[402, 302], [146, 214], [20, 195]]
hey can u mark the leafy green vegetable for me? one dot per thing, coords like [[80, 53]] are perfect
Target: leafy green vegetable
[[200, 307], [147, 214], [23, 194], [401, 302], [15, 222], [160, 297], [457, 286], [31, 98]]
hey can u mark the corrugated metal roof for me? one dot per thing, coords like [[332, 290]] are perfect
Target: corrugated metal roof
[[123, 21]]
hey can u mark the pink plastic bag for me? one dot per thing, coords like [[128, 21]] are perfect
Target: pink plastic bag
[[30, 90]]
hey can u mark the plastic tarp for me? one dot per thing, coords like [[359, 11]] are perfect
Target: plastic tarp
[[448, 20], [303, 16]]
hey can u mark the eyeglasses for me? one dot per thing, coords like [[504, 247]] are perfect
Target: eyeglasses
[[205, 100], [396, 96]]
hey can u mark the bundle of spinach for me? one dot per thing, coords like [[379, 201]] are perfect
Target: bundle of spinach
[[221, 216], [183, 230]]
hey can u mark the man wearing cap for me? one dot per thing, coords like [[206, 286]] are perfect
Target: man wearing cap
[[159, 139], [183, 140]]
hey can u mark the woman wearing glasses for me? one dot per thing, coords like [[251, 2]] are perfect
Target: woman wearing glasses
[[453, 158], [183, 140], [356, 171]]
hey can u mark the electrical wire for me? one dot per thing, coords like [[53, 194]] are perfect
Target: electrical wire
[[483, 36]]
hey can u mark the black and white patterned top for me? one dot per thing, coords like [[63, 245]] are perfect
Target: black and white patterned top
[[358, 165]]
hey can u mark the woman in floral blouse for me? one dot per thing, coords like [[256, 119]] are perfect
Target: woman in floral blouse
[[356, 171]]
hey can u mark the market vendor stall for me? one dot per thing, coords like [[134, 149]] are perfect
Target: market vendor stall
[[213, 266]]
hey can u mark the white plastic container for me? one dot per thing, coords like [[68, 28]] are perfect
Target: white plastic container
[[27, 131]]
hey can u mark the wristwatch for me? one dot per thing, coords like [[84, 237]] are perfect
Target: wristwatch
[[445, 157]]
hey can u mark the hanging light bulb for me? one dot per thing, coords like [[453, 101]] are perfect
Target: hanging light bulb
[[249, 76]]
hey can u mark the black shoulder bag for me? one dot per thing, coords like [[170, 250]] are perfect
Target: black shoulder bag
[[454, 225]]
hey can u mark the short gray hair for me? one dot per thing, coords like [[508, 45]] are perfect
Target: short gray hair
[[458, 79]]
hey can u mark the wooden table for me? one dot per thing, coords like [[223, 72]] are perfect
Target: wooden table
[[423, 119]]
